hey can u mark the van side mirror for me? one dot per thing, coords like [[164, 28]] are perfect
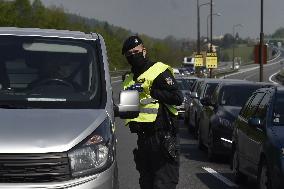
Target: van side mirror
[[128, 107], [255, 122]]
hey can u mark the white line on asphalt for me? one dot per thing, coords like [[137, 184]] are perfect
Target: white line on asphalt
[[278, 55], [226, 140], [270, 78], [220, 177], [254, 68]]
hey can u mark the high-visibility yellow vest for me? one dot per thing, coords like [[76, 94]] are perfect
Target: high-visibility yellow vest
[[148, 106]]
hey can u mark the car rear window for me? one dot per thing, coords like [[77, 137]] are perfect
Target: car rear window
[[210, 89], [236, 95]]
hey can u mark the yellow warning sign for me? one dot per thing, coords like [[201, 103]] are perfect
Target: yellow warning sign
[[198, 60], [211, 60]]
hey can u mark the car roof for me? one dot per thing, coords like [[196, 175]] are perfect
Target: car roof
[[209, 80], [237, 83], [185, 77], [14, 31]]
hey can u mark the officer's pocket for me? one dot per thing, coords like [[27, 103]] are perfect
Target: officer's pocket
[[169, 146]]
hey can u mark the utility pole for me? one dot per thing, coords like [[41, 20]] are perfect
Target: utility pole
[[198, 28], [261, 44], [211, 32], [198, 25], [211, 24]]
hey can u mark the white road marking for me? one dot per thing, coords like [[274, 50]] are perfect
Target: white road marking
[[251, 69], [220, 177], [270, 78], [226, 140]]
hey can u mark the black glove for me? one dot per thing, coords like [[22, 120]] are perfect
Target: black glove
[[136, 86]]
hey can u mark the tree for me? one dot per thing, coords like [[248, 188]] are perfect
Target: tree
[[38, 14], [278, 33], [23, 13], [228, 40]]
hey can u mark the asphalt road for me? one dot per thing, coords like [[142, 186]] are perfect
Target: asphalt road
[[195, 170]]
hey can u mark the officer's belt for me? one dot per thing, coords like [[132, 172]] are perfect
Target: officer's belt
[[149, 110]]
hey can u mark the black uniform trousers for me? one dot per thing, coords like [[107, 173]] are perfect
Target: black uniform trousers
[[157, 169]]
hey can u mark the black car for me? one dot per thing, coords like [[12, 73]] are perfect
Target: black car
[[258, 139], [205, 90], [184, 84], [190, 97], [219, 113]]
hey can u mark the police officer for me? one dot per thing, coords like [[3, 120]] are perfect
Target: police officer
[[157, 155]]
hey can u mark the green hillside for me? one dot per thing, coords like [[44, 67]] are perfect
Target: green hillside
[[23, 13]]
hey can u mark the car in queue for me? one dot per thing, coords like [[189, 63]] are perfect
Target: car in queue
[[219, 112], [204, 91], [190, 97], [258, 139], [184, 84]]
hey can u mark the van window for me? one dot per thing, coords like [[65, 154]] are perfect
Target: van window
[[47, 73]]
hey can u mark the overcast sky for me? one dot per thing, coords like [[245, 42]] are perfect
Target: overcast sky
[[160, 18]]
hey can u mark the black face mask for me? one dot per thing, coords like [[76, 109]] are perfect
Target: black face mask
[[136, 60]]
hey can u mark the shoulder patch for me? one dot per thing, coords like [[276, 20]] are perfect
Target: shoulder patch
[[169, 81]]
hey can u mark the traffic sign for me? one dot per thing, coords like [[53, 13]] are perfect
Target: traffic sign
[[211, 60], [198, 60]]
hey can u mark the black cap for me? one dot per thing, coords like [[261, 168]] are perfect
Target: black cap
[[130, 43]]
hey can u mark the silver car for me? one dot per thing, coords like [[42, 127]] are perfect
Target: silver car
[[56, 110]]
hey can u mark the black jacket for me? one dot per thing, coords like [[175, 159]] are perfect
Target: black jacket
[[165, 90]]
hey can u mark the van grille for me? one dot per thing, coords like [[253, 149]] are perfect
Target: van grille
[[34, 168]]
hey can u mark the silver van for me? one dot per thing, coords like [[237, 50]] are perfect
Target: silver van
[[56, 111]]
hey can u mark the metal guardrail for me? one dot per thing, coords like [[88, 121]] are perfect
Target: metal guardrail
[[224, 69]]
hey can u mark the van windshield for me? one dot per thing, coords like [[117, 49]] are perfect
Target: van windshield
[[47, 73]]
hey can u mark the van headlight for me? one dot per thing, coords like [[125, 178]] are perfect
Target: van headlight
[[95, 154]]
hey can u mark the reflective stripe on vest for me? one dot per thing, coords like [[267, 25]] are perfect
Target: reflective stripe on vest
[[148, 106], [148, 101], [149, 110]]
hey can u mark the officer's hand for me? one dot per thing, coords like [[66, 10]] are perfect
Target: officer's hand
[[138, 87], [146, 87]]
